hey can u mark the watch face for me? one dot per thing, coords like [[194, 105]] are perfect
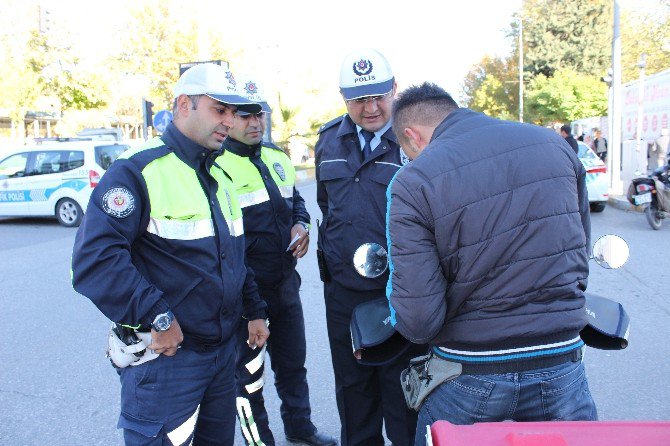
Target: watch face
[[162, 322]]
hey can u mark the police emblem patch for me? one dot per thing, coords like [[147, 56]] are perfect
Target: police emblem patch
[[280, 171], [250, 87], [362, 67], [404, 159], [118, 202], [231, 78]]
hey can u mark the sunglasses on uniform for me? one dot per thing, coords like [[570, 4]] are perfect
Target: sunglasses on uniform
[[365, 100]]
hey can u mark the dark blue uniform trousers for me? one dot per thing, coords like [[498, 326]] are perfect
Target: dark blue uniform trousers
[[176, 400], [287, 350], [366, 395]]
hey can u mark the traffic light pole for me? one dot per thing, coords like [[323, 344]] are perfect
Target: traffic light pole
[[147, 117]]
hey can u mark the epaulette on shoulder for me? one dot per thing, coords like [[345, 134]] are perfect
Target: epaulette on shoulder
[[330, 124], [153, 143], [270, 145]]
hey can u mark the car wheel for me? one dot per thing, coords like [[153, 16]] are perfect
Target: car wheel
[[68, 212], [652, 217], [598, 206]]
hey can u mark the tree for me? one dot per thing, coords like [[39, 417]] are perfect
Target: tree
[[573, 39], [57, 74], [492, 87], [565, 97], [572, 34], [649, 33], [163, 38]]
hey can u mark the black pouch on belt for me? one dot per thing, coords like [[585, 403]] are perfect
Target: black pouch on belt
[[423, 376], [324, 274]]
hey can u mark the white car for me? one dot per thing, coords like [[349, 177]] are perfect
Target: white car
[[597, 181], [55, 177]]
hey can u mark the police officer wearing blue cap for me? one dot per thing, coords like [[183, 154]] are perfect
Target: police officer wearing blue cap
[[161, 253], [276, 228], [356, 156]]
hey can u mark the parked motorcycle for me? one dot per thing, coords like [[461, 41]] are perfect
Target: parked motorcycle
[[375, 341], [652, 192]]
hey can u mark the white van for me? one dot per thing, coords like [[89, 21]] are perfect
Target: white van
[[54, 177]]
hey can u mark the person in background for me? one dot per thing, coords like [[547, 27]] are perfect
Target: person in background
[[599, 144], [662, 148], [567, 135]]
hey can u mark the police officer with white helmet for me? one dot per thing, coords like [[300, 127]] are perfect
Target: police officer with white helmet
[[357, 155]]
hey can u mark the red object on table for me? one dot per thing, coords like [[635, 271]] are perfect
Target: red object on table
[[553, 433]]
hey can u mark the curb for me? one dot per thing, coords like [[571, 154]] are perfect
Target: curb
[[621, 202], [304, 175]]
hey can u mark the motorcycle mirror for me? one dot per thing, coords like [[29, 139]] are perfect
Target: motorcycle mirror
[[610, 251], [370, 260]]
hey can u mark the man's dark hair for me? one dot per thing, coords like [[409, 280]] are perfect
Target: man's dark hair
[[566, 128], [425, 104]]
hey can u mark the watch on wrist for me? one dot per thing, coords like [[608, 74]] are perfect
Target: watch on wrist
[[163, 321], [305, 225]]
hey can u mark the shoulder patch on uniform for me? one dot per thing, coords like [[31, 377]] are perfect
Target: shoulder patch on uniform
[[330, 124], [280, 170], [118, 202]]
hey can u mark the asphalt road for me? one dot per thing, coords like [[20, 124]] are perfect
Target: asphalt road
[[57, 388]]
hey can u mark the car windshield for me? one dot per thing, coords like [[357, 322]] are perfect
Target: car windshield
[[588, 156], [106, 155]]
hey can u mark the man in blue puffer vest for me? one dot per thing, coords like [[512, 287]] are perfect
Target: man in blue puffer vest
[[488, 239]]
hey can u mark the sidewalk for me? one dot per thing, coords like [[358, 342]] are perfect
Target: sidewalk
[[620, 202], [304, 175]]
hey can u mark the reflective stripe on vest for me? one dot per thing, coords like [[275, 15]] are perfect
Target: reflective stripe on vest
[[286, 191], [181, 230], [252, 198]]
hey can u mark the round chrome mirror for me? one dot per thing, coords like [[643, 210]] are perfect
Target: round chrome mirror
[[610, 251], [370, 260]]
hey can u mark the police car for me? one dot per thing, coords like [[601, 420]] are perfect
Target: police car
[[54, 177], [597, 183]]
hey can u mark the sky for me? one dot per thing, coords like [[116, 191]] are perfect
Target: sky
[[423, 40], [302, 43]]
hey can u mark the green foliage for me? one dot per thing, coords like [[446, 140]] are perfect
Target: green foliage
[[57, 74], [492, 87], [286, 127], [570, 34], [156, 46], [161, 40], [567, 48], [565, 97], [645, 33]]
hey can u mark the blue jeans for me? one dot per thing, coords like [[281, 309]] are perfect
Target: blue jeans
[[558, 393]]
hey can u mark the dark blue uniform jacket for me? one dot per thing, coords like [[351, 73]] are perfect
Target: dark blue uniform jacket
[[352, 197], [132, 275], [267, 226]]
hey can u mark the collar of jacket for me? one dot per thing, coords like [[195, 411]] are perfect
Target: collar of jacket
[[452, 119], [347, 127], [186, 150], [241, 149]]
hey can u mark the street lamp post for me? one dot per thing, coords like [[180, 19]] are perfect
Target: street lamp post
[[520, 69], [642, 63], [614, 150]]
